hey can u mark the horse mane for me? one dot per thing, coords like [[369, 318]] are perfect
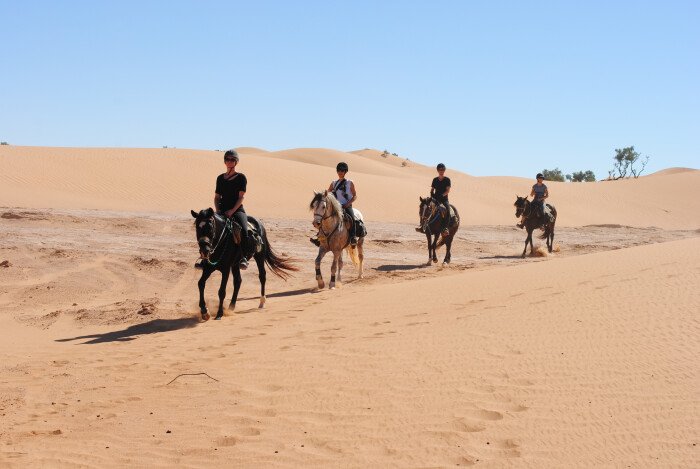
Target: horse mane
[[318, 196]]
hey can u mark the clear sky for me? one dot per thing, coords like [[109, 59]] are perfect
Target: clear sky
[[487, 87]]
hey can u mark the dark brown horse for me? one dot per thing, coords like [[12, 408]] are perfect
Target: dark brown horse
[[432, 219], [534, 220], [220, 249]]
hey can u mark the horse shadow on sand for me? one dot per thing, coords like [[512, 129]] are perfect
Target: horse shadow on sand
[[132, 332], [399, 267]]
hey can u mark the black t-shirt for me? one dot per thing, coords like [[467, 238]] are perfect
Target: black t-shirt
[[228, 189], [440, 187]]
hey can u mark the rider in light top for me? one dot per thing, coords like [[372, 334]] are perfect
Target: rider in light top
[[344, 190], [231, 187], [538, 193]]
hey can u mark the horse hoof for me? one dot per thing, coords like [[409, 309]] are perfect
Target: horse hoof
[[205, 316], [331, 286], [232, 306], [262, 303], [321, 285], [218, 317]]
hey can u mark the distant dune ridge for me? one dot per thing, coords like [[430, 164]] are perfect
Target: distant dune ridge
[[173, 180]]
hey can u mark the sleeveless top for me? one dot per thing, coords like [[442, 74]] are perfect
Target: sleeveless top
[[539, 192], [341, 190]]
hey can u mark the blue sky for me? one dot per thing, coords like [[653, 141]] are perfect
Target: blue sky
[[487, 87]]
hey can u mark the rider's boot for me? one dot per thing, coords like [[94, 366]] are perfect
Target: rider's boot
[[315, 241], [199, 264], [420, 229]]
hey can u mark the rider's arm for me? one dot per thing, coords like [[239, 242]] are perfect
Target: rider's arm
[[546, 194], [217, 202], [447, 191], [532, 192], [330, 187], [354, 195], [239, 202]]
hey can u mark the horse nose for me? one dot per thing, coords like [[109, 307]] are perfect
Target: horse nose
[[315, 223]]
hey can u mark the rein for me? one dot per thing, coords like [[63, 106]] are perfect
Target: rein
[[326, 217], [225, 232]]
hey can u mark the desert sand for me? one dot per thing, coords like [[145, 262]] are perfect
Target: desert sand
[[585, 357]]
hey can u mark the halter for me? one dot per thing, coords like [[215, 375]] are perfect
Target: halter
[[433, 217]]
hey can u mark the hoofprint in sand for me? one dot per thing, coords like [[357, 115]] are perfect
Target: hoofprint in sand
[[567, 360]]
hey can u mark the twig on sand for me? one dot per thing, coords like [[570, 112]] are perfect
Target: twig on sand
[[192, 374]]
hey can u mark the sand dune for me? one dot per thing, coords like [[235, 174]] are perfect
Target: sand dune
[[586, 357], [177, 180]]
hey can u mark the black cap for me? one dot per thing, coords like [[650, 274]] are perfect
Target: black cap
[[441, 166], [342, 166], [539, 175], [231, 154]]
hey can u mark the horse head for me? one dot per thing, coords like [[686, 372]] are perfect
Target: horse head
[[205, 229], [520, 205], [425, 209], [319, 204]]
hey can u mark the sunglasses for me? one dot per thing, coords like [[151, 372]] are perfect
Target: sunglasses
[[341, 171], [230, 159]]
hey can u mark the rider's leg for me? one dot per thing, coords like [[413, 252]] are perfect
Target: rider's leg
[[351, 214], [242, 219], [446, 219]]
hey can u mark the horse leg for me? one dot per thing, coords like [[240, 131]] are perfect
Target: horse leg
[[340, 267], [435, 241], [361, 255], [237, 280], [262, 275], [528, 239], [319, 277], [334, 267], [201, 284], [427, 236], [551, 240], [222, 292], [448, 248]]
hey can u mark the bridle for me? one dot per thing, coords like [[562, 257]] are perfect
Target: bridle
[[320, 218], [525, 209], [428, 220], [207, 241]]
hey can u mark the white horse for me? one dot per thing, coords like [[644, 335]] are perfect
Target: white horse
[[334, 236]]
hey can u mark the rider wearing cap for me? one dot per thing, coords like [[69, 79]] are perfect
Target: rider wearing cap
[[439, 190], [231, 187], [344, 190], [538, 193]]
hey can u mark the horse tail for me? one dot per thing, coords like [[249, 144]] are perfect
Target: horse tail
[[549, 227], [279, 264], [353, 254]]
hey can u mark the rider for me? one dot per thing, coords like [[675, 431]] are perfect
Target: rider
[[538, 193], [230, 191], [344, 190], [439, 190]]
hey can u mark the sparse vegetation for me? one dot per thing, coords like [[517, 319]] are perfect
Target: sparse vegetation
[[4, 143], [625, 160], [404, 163], [581, 176], [385, 154], [553, 174]]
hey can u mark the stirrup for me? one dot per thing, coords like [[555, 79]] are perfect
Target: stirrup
[[243, 264]]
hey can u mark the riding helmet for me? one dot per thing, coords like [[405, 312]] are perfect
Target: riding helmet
[[231, 154], [539, 175], [342, 166], [440, 166]]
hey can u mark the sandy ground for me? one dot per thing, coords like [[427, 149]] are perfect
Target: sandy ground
[[585, 357]]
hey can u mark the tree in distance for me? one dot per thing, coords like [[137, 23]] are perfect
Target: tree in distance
[[625, 160], [581, 176], [553, 175]]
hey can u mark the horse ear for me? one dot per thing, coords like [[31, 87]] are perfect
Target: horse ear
[[194, 214], [325, 193], [210, 212]]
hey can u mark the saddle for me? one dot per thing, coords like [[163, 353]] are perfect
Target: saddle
[[453, 215], [253, 232], [360, 228]]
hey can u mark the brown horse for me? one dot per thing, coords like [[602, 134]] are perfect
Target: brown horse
[[432, 219], [220, 249], [535, 220], [334, 236]]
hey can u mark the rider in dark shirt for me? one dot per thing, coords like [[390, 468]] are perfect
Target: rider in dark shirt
[[231, 187], [439, 190]]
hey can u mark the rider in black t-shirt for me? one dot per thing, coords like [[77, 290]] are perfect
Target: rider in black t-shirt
[[228, 199], [439, 190]]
